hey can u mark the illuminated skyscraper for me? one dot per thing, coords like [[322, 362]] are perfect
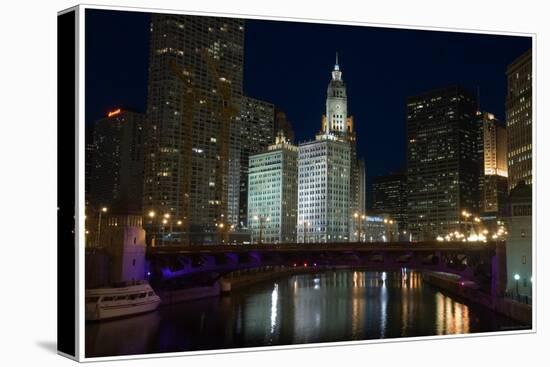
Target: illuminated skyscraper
[[273, 193], [442, 161], [494, 175], [328, 171], [324, 190], [194, 98], [519, 120]]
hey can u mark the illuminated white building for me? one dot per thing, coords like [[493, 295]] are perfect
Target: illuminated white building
[[325, 198], [272, 193]]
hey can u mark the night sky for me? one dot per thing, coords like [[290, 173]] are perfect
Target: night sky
[[289, 64]]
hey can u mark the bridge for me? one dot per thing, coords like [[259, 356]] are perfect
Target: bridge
[[482, 263]]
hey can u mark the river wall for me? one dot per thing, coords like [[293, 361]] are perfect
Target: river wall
[[520, 312]]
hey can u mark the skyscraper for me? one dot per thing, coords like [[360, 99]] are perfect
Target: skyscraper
[[442, 161], [273, 193], [390, 197], [116, 161], [338, 123], [256, 134], [494, 175], [194, 97], [519, 120], [324, 190], [361, 186], [327, 172]]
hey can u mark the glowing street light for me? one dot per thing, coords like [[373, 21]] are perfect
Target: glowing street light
[[517, 278], [102, 210]]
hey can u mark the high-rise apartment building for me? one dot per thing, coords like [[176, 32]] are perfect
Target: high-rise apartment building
[[194, 99], [256, 134], [390, 197], [116, 161], [442, 161], [273, 193], [519, 118]]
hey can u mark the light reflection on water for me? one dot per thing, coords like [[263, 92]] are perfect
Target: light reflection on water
[[324, 307]]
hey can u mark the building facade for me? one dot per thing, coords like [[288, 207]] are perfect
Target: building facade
[[273, 193], [442, 161], [324, 190], [378, 228], [389, 195], [257, 124], [519, 118], [194, 98], [519, 242], [494, 164], [116, 161], [338, 123]]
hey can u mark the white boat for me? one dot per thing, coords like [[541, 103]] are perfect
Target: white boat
[[129, 299]]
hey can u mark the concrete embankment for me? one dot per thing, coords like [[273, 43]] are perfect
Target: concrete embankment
[[171, 296], [515, 310], [227, 284]]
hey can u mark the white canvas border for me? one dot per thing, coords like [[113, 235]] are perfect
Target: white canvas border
[[80, 11]]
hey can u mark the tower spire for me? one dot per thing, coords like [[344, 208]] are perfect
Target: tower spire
[[336, 66]]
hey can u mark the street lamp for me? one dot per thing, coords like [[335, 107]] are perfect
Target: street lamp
[[517, 277], [363, 217], [358, 223], [102, 210]]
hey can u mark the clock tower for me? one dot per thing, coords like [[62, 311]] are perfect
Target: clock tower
[[336, 118]]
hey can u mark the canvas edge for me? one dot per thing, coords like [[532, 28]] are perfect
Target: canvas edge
[[80, 340]]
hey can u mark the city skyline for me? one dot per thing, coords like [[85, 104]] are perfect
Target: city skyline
[[234, 172], [291, 73]]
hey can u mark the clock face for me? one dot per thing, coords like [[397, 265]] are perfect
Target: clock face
[[337, 106]]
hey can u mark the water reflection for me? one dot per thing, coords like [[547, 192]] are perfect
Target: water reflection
[[328, 306]]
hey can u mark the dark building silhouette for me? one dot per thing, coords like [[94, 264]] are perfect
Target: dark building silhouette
[[282, 123], [442, 161], [116, 161], [389, 196]]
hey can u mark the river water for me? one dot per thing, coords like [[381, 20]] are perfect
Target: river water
[[326, 307]]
